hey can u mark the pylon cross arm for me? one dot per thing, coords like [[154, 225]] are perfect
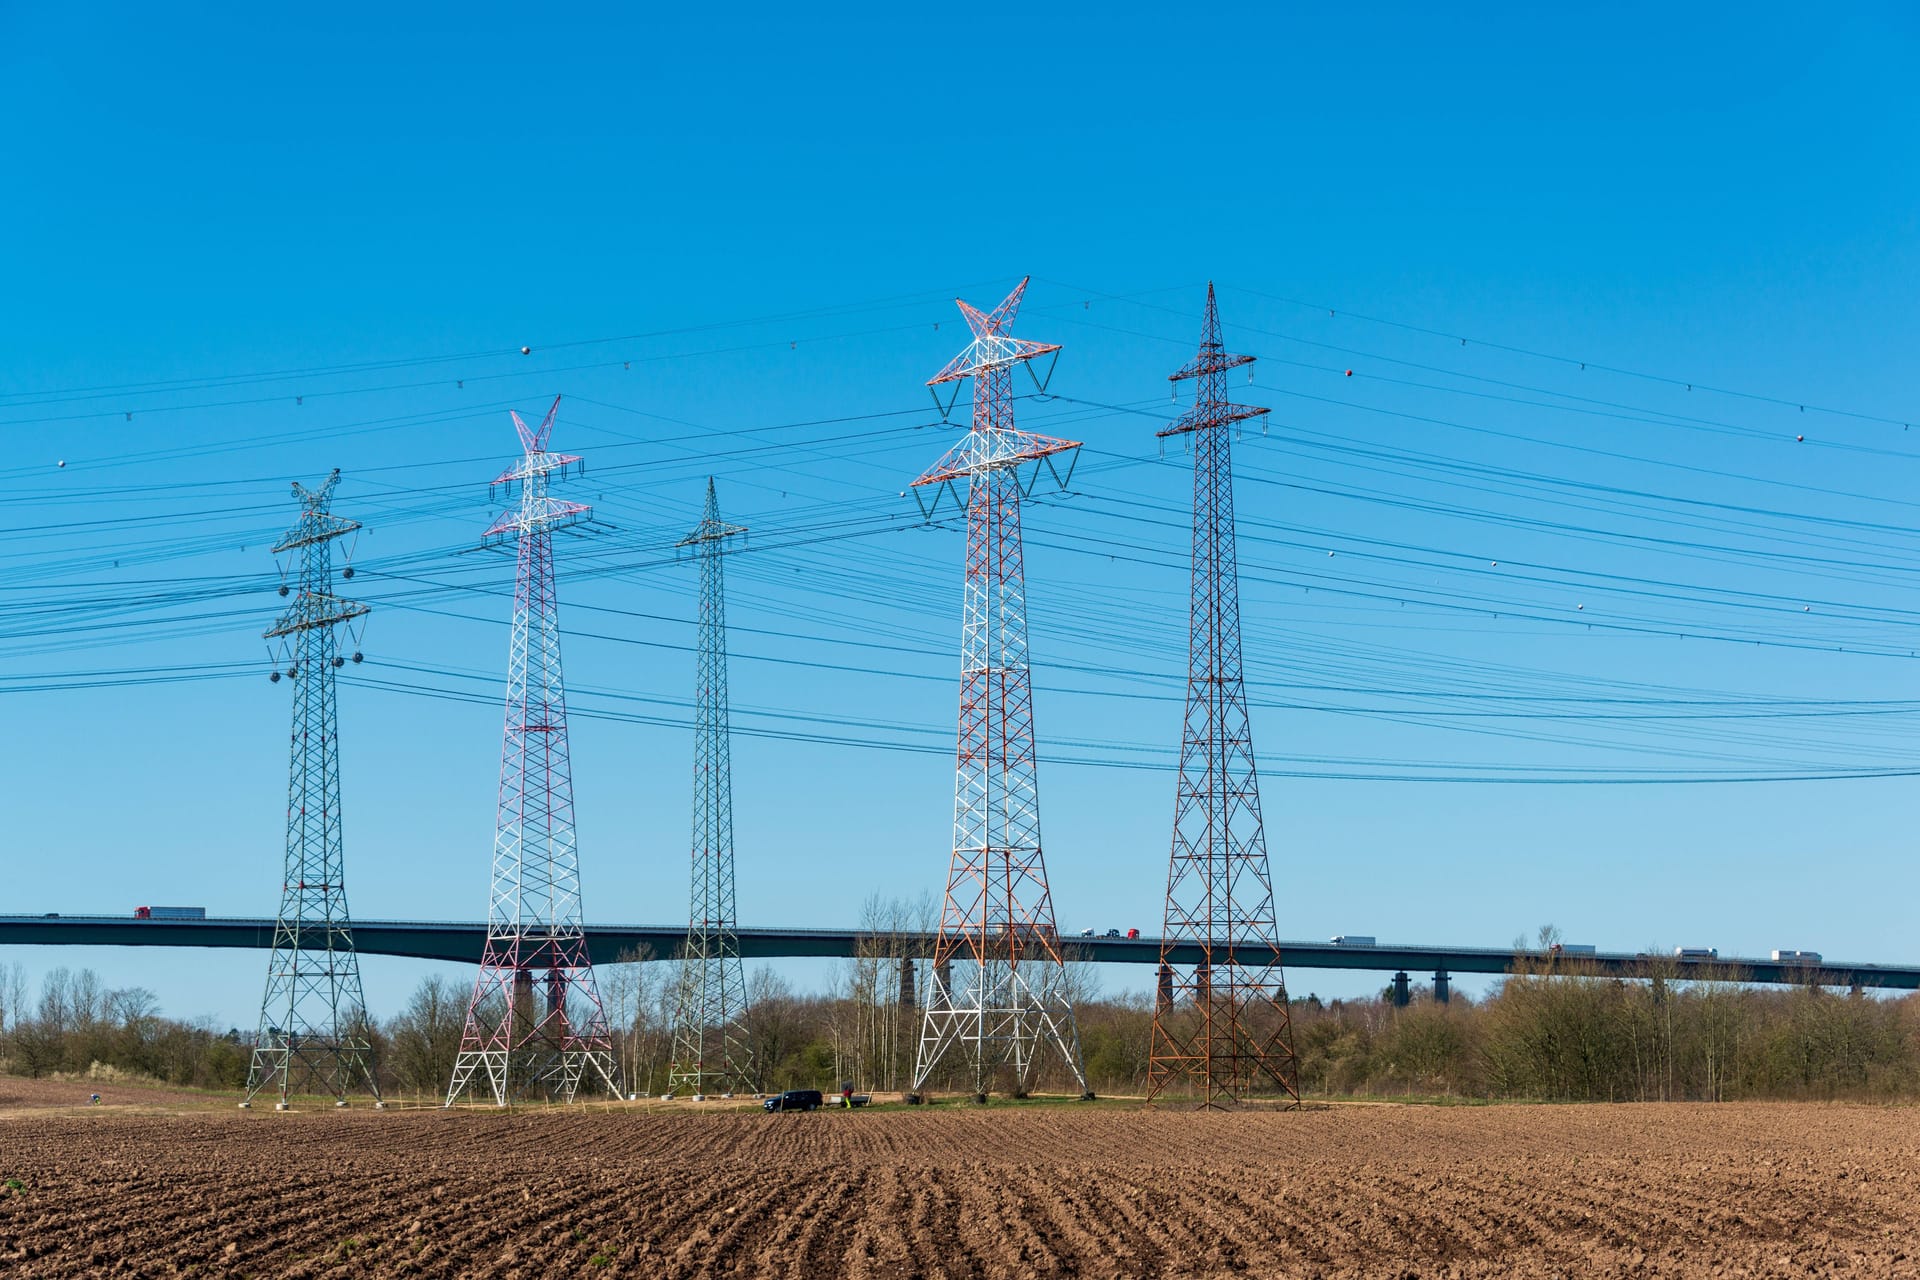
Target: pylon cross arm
[[1208, 362], [316, 525], [992, 351], [548, 513], [992, 346], [981, 452], [1215, 414]]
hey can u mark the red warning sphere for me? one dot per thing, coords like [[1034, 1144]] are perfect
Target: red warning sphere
[[1349, 373]]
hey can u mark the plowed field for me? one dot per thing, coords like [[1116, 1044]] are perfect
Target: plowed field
[[1004, 1192]]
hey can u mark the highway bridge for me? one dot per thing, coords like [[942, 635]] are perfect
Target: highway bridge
[[463, 940]]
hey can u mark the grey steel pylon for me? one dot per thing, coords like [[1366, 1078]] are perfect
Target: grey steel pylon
[[710, 1051], [313, 1024]]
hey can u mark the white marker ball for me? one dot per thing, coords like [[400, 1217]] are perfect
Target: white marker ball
[[61, 463]]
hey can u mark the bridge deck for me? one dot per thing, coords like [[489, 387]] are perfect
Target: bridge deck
[[463, 940]]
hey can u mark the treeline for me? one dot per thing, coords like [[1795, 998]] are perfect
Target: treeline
[[77, 1026], [1563, 1035], [1582, 1037]]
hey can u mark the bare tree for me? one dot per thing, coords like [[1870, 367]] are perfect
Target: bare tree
[[13, 995], [776, 1025], [636, 989], [423, 1041]]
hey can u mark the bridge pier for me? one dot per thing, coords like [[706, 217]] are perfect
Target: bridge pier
[[523, 997], [1163, 990], [908, 986], [1402, 991], [1442, 986]]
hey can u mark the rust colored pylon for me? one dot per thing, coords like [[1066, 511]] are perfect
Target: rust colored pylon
[[1221, 1024], [998, 985]]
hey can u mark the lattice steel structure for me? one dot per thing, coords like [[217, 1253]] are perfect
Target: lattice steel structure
[[710, 1050], [313, 1024], [998, 982], [517, 1043], [1221, 1025]]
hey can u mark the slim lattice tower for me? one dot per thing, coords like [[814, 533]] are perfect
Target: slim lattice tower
[[313, 1024], [518, 1042], [709, 1046], [998, 987], [1222, 1023]]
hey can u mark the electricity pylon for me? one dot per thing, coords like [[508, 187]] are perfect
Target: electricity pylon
[[710, 1050], [1222, 1024], [998, 987], [516, 1043], [313, 1025]]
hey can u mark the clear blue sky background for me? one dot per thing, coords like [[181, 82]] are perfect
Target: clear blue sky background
[[732, 242]]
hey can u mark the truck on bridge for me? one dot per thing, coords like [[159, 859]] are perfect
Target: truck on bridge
[[169, 913]]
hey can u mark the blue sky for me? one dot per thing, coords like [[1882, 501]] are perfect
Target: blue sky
[[733, 247]]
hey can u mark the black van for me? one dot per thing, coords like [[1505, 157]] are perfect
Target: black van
[[794, 1100]]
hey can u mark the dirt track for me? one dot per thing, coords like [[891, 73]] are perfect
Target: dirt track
[[1493, 1191]]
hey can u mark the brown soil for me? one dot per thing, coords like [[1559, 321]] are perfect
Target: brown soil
[[1759, 1190], [18, 1093]]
